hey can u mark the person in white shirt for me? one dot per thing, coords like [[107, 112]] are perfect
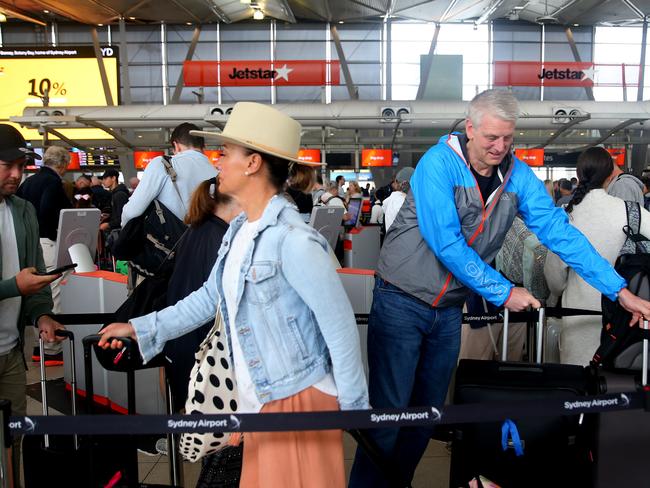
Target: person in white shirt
[[601, 218], [192, 167], [377, 213], [393, 203]]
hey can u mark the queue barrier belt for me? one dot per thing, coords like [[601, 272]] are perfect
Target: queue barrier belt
[[346, 420]]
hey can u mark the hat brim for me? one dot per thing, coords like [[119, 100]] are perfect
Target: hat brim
[[222, 139], [14, 153]]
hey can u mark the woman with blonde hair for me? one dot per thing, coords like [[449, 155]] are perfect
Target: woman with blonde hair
[[292, 350]]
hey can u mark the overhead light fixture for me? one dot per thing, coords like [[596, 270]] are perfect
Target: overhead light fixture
[[188, 23], [3, 17], [46, 11], [100, 25], [341, 22], [258, 15], [131, 18], [247, 2]]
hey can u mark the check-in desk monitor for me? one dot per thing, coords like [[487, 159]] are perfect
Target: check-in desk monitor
[[76, 226], [327, 221]]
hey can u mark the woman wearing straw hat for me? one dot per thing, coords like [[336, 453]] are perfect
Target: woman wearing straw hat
[[292, 330]]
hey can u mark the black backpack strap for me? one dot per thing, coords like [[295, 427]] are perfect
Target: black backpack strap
[[169, 169], [635, 242]]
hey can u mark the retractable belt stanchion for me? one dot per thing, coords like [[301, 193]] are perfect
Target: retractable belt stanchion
[[6, 470], [504, 339]]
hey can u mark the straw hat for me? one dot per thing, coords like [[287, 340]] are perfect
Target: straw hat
[[261, 128]]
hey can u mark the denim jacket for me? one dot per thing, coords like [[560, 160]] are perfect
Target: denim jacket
[[294, 321]]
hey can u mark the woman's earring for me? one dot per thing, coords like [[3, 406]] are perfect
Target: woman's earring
[[245, 173]]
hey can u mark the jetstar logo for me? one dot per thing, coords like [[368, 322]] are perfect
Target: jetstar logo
[[254, 74], [560, 74], [260, 74]]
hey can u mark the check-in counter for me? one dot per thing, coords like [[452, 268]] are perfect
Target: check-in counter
[[104, 292], [361, 247]]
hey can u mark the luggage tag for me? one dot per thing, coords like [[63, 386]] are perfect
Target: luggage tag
[[510, 438]]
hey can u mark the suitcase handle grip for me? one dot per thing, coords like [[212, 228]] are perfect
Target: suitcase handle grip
[[94, 339], [64, 333], [517, 368]]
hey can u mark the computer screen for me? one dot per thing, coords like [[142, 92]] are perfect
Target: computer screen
[[354, 209]]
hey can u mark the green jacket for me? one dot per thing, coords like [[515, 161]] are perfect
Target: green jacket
[[30, 254]]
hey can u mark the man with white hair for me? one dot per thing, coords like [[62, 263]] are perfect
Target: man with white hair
[[465, 193]]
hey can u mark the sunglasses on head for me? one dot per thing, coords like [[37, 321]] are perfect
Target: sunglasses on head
[[79, 196]]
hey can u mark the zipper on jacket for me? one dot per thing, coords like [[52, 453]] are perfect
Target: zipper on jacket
[[485, 212]]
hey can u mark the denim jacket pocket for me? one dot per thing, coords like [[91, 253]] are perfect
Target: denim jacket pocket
[[297, 337], [261, 281]]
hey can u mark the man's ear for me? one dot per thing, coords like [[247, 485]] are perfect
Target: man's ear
[[469, 129]]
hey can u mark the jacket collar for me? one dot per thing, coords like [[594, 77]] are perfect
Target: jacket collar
[[453, 141], [269, 217]]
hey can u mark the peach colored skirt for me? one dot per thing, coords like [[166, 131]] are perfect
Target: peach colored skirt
[[306, 459]]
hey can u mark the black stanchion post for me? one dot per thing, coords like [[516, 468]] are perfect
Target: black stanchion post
[[6, 475]]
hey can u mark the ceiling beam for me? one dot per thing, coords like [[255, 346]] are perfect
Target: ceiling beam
[[428, 61], [187, 11], [611, 132], [562, 130], [352, 90], [634, 8], [12, 12], [370, 7], [288, 11]]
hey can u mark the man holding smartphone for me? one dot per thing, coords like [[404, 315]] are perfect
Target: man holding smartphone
[[24, 295]]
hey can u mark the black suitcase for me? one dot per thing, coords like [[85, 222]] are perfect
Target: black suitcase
[[621, 438], [65, 460], [555, 451], [128, 468]]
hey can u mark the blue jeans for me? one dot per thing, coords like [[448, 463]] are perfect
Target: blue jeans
[[412, 352]]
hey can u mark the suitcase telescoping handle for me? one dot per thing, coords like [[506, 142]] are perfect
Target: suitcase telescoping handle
[[541, 315], [644, 371], [73, 381]]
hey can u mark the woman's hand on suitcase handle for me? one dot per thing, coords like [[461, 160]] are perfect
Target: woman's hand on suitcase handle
[[638, 307], [117, 329], [520, 299]]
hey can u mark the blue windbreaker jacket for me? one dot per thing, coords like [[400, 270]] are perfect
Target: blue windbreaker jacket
[[445, 233]]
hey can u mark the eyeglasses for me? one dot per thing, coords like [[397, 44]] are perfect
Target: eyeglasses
[[84, 196]]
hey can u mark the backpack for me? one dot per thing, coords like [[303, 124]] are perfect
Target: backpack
[[620, 344], [149, 241]]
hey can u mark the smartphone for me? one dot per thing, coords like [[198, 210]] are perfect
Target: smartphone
[[57, 270]]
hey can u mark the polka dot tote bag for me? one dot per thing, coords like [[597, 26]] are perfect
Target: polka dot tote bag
[[211, 390]]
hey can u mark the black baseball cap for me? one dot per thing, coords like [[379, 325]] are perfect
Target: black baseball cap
[[13, 145], [111, 172]]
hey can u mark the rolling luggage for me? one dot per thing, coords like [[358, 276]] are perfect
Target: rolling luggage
[[64, 460], [128, 467], [554, 451], [621, 438]]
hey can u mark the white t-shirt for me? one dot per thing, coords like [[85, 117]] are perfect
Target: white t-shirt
[[247, 399], [391, 206], [377, 214], [9, 307]]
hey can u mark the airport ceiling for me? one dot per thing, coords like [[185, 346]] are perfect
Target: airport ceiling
[[564, 12]]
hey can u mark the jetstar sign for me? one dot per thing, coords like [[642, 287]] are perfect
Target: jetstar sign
[[524, 73], [261, 73]]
